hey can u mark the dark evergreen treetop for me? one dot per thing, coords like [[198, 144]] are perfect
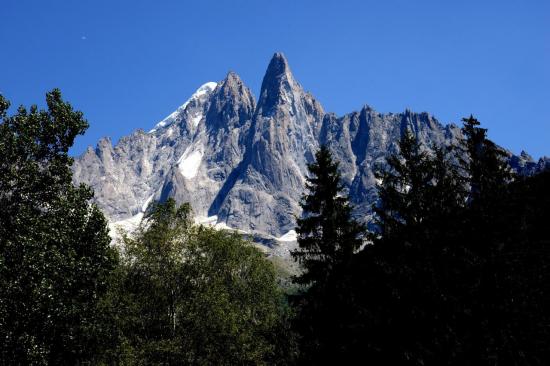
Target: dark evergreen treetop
[[487, 169], [418, 186], [328, 236]]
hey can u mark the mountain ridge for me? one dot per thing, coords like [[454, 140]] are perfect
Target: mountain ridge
[[244, 161]]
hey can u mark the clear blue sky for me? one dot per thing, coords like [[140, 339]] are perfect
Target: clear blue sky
[[127, 64]]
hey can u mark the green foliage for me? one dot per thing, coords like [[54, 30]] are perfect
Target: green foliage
[[54, 245], [193, 295]]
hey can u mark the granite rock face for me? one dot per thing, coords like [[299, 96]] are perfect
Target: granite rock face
[[243, 164], [282, 140], [362, 140]]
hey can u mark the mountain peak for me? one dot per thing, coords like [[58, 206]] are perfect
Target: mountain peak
[[278, 80], [278, 65], [200, 94], [233, 88], [277, 70], [232, 76], [232, 81], [232, 102]]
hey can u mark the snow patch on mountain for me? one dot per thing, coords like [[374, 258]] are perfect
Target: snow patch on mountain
[[147, 202], [204, 89], [196, 119], [212, 221], [189, 162], [207, 221], [289, 236], [128, 225]]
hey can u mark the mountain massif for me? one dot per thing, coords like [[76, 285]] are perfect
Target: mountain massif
[[242, 163]]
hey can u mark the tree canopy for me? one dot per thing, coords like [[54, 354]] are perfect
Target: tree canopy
[[54, 245], [189, 294]]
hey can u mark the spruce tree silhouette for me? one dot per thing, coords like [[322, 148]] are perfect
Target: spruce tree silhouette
[[327, 234], [328, 237]]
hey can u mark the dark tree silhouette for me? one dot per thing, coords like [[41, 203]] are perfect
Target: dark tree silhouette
[[327, 234], [328, 237]]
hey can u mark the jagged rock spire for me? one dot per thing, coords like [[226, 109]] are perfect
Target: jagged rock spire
[[231, 105], [278, 81]]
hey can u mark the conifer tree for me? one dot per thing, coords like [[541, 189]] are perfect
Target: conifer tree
[[402, 190], [402, 278], [328, 236], [487, 170], [417, 185], [488, 175]]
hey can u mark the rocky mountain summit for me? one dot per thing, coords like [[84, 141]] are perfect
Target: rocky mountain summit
[[242, 164]]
